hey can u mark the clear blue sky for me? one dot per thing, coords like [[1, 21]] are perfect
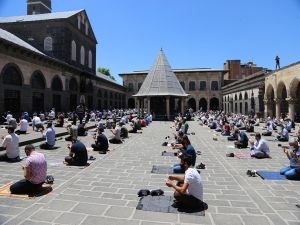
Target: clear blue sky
[[193, 33]]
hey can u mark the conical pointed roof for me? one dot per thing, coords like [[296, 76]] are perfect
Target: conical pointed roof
[[161, 80]]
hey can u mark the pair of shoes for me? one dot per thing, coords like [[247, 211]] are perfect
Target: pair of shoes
[[49, 179], [163, 152], [251, 173], [230, 154], [198, 152], [92, 157], [200, 166], [146, 192]]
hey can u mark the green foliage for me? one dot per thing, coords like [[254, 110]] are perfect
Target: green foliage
[[106, 72]]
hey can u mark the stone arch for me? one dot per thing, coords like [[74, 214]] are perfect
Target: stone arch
[[131, 103], [56, 84], [282, 95], [12, 75], [240, 96], [294, 87], [192, 104], [270, 92], [38, 85], [246, 95], [214, 104], [235, 97], [73, 85], [203, 104], [12, 80]]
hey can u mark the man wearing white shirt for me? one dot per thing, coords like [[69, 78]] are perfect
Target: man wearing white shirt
[[11, 145], [260, 149], [23, 126], [37, 123], [189, 189], [50, 137]]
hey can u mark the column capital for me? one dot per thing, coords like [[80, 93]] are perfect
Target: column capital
[[278, 100], [291, 100]]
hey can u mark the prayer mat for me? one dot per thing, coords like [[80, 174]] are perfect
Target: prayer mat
[[270, 175], [165, 204], [5, 191], [169, 153], [162, 170], [242, 155]]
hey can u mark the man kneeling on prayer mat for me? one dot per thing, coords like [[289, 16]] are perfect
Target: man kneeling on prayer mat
[[35, 172], [189, 188]]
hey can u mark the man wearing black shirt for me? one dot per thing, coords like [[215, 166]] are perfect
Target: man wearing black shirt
[[101, 143], [78, 154]]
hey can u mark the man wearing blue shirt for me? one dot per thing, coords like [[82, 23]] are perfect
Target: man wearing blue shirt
[[243, 140]]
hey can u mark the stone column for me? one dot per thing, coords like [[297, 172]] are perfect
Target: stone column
[[168, 106], [148, 105], [291, 102], [197, 104], [138, 105], [278, 102]]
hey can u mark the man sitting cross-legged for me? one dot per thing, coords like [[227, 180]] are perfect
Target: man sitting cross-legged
[[101, 142], [78, 154], [35, 172], [189, 188], [243, 140], [116, 138], [260, 149], [49, 135], [10, 143]]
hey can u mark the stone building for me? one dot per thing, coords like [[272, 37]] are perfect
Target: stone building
[[49, 60], [245, 95], [202, 85], [282, 92]]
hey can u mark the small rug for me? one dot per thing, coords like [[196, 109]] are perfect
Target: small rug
[[164, 204], [5, 191], [242, 155], [162, 169], [270, 175]]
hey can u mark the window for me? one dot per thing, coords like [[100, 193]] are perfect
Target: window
[[139, 85], [11, 76], [214, 86], [90, 59], [79, 21], [86, 28], [73, 51], [48, 44], [182, 84], [82, 55], [192, 86], [130, 87], [202, 85]]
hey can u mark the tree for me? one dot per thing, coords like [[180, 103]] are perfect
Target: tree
[[106, 72]]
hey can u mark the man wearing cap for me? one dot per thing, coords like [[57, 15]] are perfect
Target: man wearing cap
[[189, 188], [10, 143], [50, 137], [292, 172]]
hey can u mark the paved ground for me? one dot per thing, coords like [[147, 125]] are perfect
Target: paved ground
[[105, 192]]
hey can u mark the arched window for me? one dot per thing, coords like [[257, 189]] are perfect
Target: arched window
[[79, 21], [246, 96], [241, 96], [38, 80], [56, 84], [192, 86], [82, 55], [130, 87], [73, 86], [202, 85], [48, 45], [86, 28], [90, 59], [182, 84], [214, 85], [11, 75], [73, 51]]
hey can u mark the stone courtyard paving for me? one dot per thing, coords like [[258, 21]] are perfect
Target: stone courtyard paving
[[106, 192]]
